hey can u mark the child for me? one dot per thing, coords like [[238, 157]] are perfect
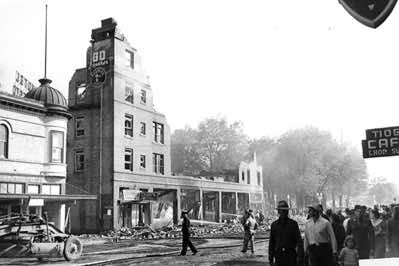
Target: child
[[349, 255]]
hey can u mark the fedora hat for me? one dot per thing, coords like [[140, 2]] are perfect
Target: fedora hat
[[282, 205], [316, 207]]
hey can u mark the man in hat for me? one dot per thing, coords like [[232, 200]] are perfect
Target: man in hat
[[362, 230], [250, 226], [285, 242], [320, 242], [185, 228]]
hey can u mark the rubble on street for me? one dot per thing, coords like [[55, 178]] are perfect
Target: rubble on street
[[230, 228]]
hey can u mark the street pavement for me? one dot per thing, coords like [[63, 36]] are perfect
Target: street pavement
[[155, 252], [215, 252]]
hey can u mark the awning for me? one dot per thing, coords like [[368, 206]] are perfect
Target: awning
[[48, 198]]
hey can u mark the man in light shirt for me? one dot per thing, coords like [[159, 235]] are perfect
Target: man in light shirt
[[320, 243]]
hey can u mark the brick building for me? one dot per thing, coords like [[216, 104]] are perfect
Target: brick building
[[32, 154], [118, 147]]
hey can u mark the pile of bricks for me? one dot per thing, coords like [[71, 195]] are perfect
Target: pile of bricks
[[233, 229]]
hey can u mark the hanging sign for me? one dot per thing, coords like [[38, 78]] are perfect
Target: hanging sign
[[371, 13], [381, 142]]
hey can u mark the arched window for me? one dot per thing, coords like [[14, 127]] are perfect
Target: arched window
[[3, 141]]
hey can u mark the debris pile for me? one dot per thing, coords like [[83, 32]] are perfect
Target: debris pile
[[198, 230]]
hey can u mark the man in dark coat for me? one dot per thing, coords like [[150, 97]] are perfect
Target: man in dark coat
[[285, 243], [339, 231], [393, 234], [362, 230], [185, 228]]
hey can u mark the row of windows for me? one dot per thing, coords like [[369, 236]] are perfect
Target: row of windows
[[158, 161], [81, 91], [56, 144], [129, 126], [16, 188], [249, 177], [158, 128], [129, 95]]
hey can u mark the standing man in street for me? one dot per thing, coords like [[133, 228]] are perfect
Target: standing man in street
[[362, 230], [320, 243], [185, 228], [250, 226], [285, 242]]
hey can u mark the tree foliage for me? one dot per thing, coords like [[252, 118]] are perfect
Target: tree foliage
[[215, 146], [301, 162]]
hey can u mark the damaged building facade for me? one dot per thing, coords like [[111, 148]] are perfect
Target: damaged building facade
[[33, 132], [119, 148]]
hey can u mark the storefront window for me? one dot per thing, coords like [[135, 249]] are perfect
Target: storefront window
[[11, 188], [33, 189], [3, 187], [51, 189]]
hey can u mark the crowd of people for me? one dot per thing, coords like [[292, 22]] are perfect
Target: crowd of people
[[334, 238], [322, 238]]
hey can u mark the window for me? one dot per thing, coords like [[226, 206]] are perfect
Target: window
[[81, 92], [3, 187], [248, 177], [11, 188], [258, 175], [33, 189], [143, 96], [142, 161], [129, 159], [142, 128], [158, 132], [129, 96], [129, 125], [242, 176], [3, 141], [57, 146], [19, 188], [158, 163], [130, 59], [79, 161], [51, 189], [79, 127]]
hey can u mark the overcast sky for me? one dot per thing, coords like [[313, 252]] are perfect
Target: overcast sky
[[274, 65]]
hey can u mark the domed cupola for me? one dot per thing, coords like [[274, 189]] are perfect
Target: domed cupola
[[50, 97]]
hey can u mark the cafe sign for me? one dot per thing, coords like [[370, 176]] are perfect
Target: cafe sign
[[381, 142]]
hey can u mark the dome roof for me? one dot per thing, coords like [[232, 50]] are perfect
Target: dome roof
[[52, 98]]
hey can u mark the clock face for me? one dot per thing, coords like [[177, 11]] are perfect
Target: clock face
[[98, 75]]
